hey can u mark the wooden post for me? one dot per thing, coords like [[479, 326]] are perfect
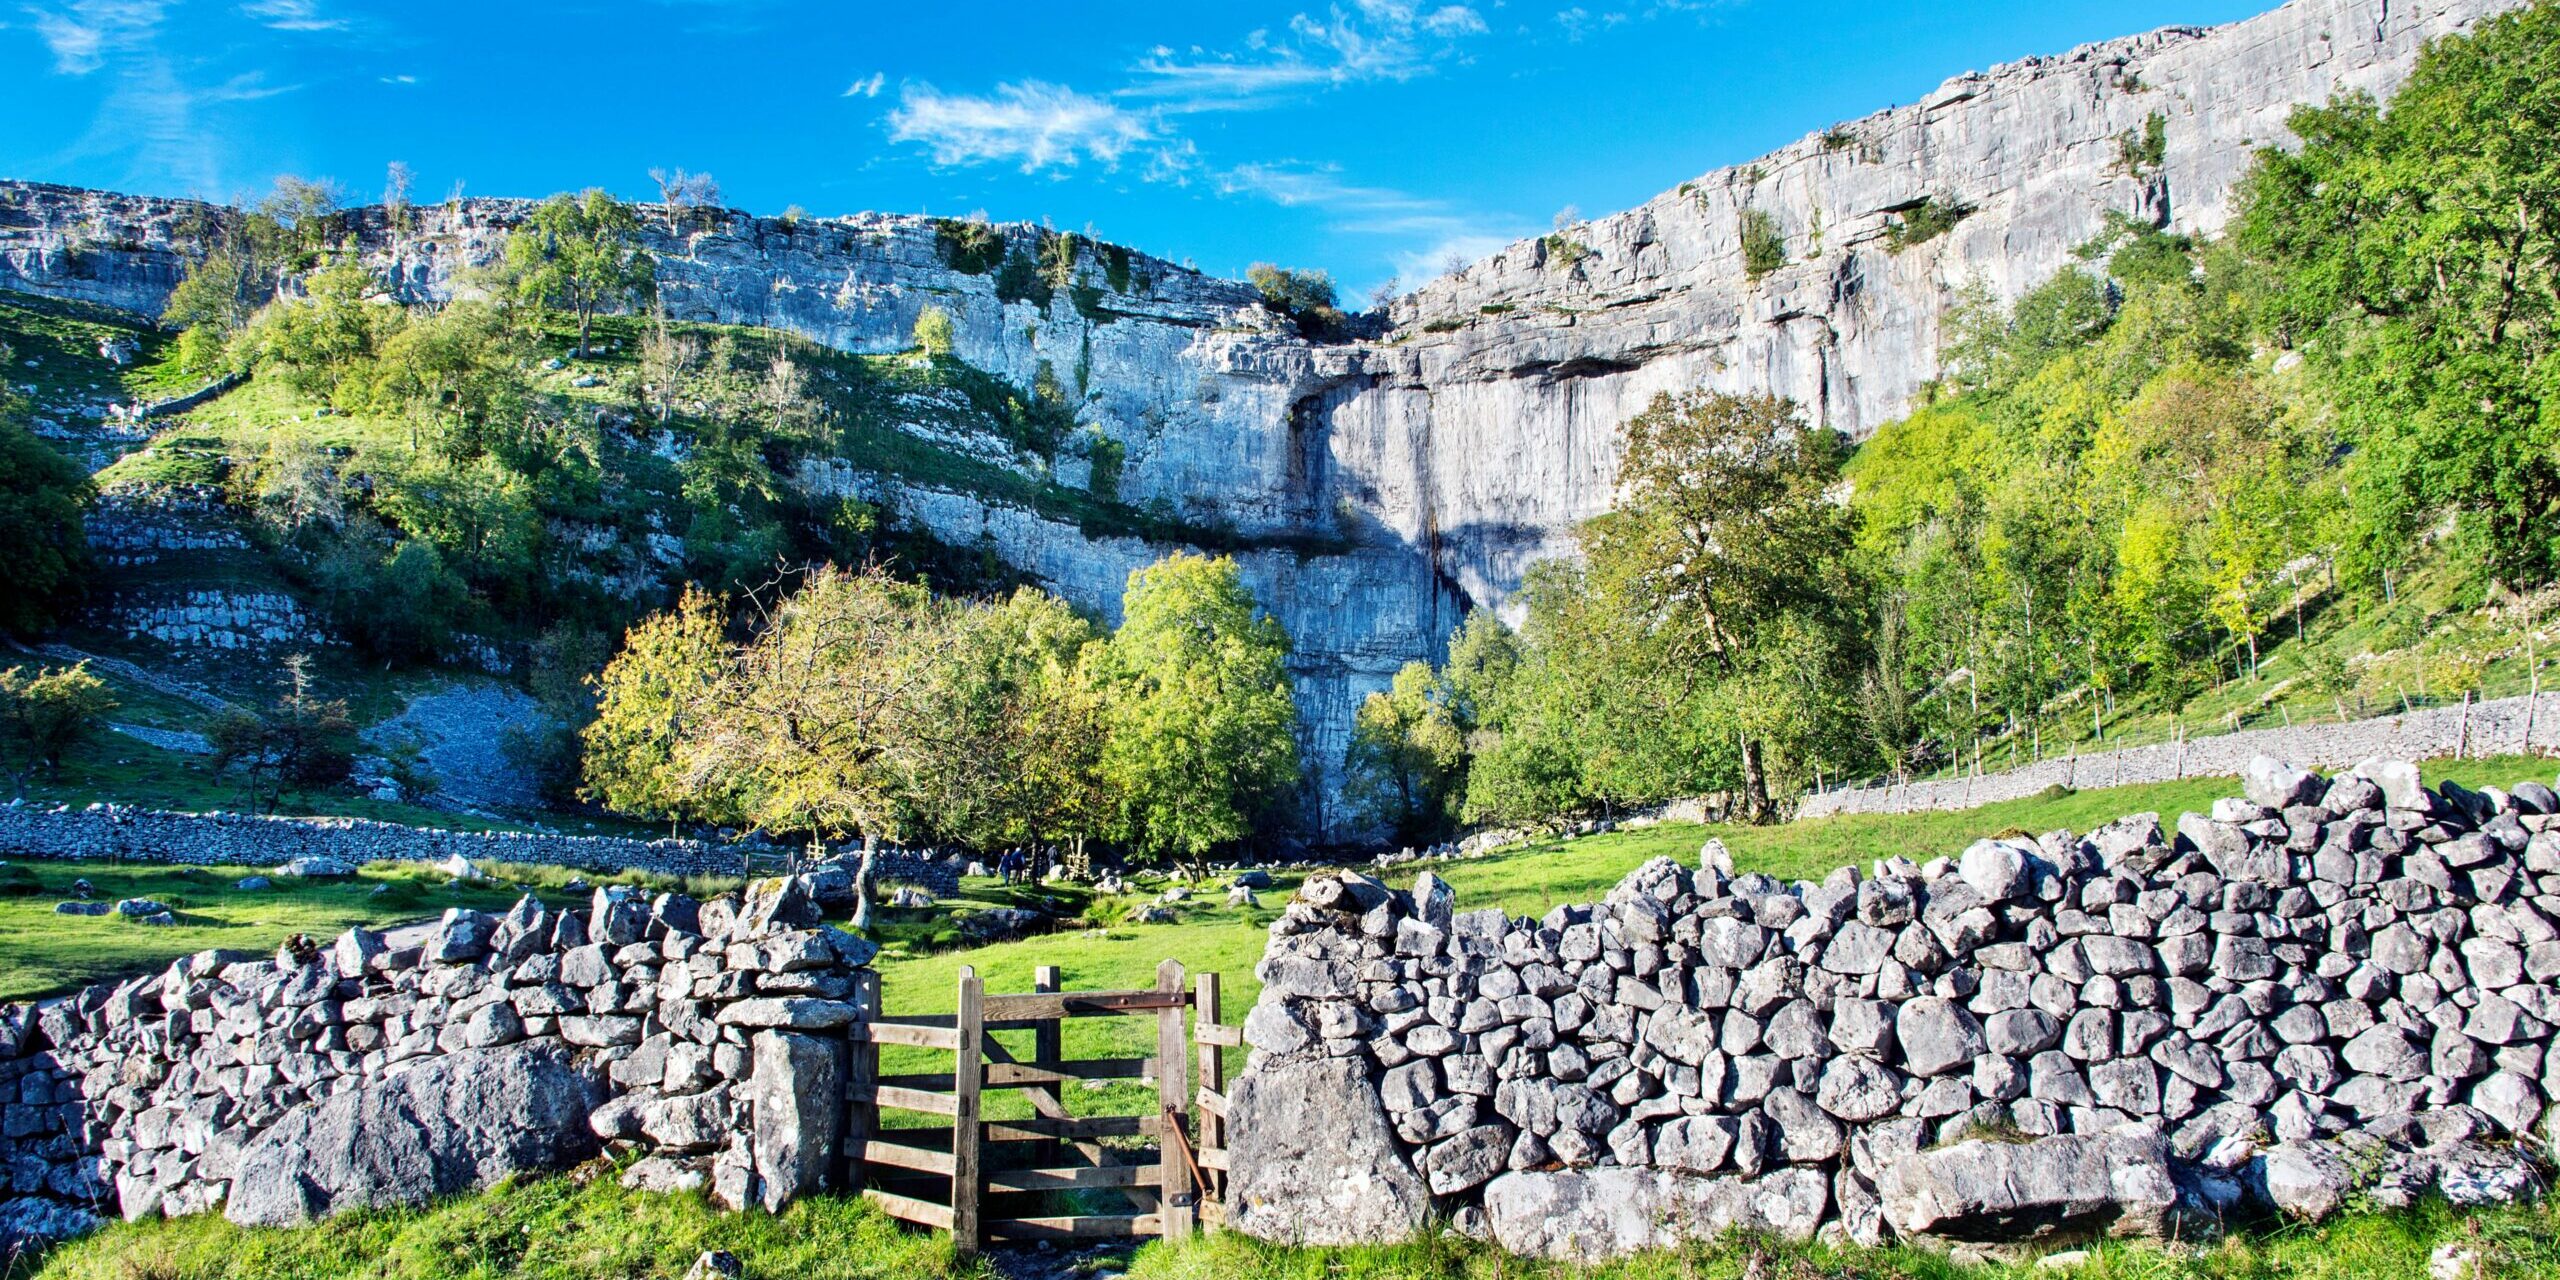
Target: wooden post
[[862, 1078], [1173, 1094], [1048, 1049], [2462, 731], [967, 1074], [1213, 1070]]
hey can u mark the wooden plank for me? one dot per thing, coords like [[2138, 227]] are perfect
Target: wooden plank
[[1210, 1033], [862, 1075], [1083, 1004], [1093, 1227], [1212, 1158], [938, 1081], [1082, 1127], [921, 1100], [1015, 1075], [965, 1151], [909, 1033], [1173, 1093], [898, 1155], [923, 1213], [1212, 1097], [1080, 1179], [1048, 1049]]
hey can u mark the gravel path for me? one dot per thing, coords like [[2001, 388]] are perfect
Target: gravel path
[[461, 731]]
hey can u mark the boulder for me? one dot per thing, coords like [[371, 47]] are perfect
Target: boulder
[[2065, 1187], [1314, 1160], [2302, 1180], [1589, 1215], [317, 868], [2273, 783], [452, 1124]]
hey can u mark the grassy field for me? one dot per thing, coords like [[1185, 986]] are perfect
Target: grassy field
[[568, 1229]]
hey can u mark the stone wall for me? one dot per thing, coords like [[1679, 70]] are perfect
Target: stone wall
[[710, 1037], [2321, 986], [117, 833], [2504, 725]]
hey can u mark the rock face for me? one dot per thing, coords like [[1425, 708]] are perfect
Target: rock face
[[2123, 1034], [1429, 467], [1314, 1162], [457, 1123]]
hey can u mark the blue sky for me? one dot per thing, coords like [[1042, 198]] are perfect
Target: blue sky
[[1373, 138]]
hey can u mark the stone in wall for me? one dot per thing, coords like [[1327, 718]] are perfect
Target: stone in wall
[[2320, 988]]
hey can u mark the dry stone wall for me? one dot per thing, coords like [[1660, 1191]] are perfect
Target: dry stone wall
[[712, 1038], [106, 832], [2319, 987], [2522, 725]]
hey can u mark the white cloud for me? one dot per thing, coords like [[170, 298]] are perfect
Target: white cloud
[[1452, 21], [290, 15], [1374, 40], [400, 80], [1424, 233], [85, 34], [1033, 123], [867, 87]]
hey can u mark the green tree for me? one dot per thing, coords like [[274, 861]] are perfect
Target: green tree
[[934, 333], [43, 496], [2418, 252], [650, 700], [303, 743], [1730, 560], [582, 254], [1406, 767], [1306, 297], [44, 715], [1202, 735]]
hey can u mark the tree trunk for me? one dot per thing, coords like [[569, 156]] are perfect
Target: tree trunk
[[862, 883], [586, 321], [1755, 784]]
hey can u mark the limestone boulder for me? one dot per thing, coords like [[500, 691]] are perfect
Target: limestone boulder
[[2070, 1186], [1315, 1161], [1590, 1215]]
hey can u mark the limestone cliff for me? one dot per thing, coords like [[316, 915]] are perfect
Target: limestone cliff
[[1399, 481]]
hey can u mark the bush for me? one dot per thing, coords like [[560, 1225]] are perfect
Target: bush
[[42, 494], [1764, 247], [935, 335], [1306, 297], [44, 715], [1563, 251], [1933, 217], [968, 246]]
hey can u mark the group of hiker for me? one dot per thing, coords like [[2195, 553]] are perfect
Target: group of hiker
[[1020, 866]]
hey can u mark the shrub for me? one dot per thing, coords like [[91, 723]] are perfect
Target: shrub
[[935, 335], [1563, 251], [1304, 296], [1764, 247], [1933, 217], [2140, 154], [968, 246], [43, 716]]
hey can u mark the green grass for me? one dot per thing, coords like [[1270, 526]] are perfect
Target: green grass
[[544, 1229], [43, 954], [2511, 1242], [61, 338], [124, 770]]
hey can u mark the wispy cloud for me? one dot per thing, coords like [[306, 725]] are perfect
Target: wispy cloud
[[84, 34], [1033, 124], [867, 87], [291, 15], [1375, 40], [1426, 236]]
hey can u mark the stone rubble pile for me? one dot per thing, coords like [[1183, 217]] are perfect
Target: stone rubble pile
[[710, 1037], [2319, 988]]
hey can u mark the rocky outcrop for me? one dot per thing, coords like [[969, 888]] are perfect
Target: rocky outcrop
[[457, 1123], [2125, 1032], [1384, 487]]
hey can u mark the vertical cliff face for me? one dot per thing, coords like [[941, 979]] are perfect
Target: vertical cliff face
[[1394, 484]]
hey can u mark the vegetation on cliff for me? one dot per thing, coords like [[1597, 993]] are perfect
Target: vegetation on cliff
[[2332, 430]]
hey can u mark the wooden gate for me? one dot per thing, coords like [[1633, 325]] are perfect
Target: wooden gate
[[1002, 1181]]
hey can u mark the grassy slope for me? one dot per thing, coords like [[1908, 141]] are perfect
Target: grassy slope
[[61, 340], [554, 1228]]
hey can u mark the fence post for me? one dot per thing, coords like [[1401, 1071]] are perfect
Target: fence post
[[2462, 730], [1173, 1095], [862, 1078], [1048, 1050], [967, 1074], [1213, 1071]]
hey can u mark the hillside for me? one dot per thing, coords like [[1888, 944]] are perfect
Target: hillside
[[1379, 488]]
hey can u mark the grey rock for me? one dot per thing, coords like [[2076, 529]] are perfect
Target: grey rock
[[1592, 1215], [2273, 783], [1937, 1036], [2116, 1184], [796, 1099], [452, 1124], [1314, 1160]]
